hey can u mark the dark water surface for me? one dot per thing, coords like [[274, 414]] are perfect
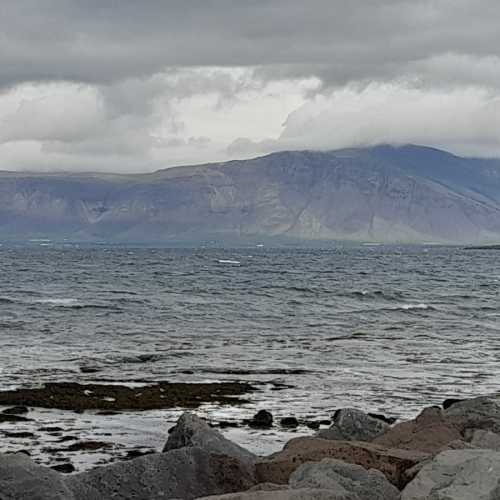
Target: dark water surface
[[387, 329]]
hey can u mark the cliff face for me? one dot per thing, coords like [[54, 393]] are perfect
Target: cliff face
[[384, 194]]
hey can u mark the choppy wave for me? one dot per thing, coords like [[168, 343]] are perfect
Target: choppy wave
[[362, 327], [7, 300], [67, 302], [409, 307]]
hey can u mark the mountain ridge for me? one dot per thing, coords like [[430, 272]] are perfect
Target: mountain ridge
[[387, 194]]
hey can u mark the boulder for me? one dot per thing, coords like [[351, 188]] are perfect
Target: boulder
[[457, 475], [191, 430], [262, 419], [278, 467], [23, 479], [185, 473], [302, 494], [435, 429], [478, 413], [451, 401], [384, 418], [289, 422], [430, 432], [354, 425], [345, 478], [15, 410], [480, 438]]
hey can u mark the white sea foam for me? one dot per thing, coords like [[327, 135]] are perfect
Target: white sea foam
[[57, 302], [408, 307], [228, 261]]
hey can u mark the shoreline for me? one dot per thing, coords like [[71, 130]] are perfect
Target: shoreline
[[83, 425], [369, 456], [96, 427]]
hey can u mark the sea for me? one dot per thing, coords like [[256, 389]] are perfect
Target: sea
[[386, 329]]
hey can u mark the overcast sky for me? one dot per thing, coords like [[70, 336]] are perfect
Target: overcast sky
[[128, 85]]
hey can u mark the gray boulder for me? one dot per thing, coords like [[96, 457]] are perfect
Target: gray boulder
[[457, 475], [480, 438], [343, 478], [186, 473], [302, 494], [478, 413], [350, 424], [23, 479], [191, 430]]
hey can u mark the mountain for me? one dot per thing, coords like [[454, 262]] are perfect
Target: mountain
[[379, 194]]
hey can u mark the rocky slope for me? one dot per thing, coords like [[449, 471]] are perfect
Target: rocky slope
[[380, 194]]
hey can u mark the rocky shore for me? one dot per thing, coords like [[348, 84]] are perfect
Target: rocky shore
[[447, 452]]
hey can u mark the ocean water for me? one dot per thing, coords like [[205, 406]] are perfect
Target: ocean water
[[381, 328]]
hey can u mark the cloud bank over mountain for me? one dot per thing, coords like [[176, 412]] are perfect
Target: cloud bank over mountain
[[136, 86]]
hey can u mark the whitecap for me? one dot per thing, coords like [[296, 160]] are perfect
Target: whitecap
[[228, 261], [57, 302], [408, 307]]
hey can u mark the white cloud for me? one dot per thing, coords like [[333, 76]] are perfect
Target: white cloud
[[177, 117], [463, 120]]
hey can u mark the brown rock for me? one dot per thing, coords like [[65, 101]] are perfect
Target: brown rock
[[430, 432], [392, 462], [163, 394]]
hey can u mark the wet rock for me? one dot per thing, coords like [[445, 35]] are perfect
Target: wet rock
[[224, 424], [449, 402], [354, 425], [185, 473], [89, 369], [457, 475], [81, 446], [80, 397], [65, 468], [289, 422], [278, 467], [387, 420], [88, 446], [191, 430], [20, 434], [352, 481], [138, 453], [4, 417], [262, 419], [22, 479], [313, 424], [16, 410]]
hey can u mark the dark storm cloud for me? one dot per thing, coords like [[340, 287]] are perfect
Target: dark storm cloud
[[105, 41]]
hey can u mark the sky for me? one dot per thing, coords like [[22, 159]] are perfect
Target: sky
[[134, 86]]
